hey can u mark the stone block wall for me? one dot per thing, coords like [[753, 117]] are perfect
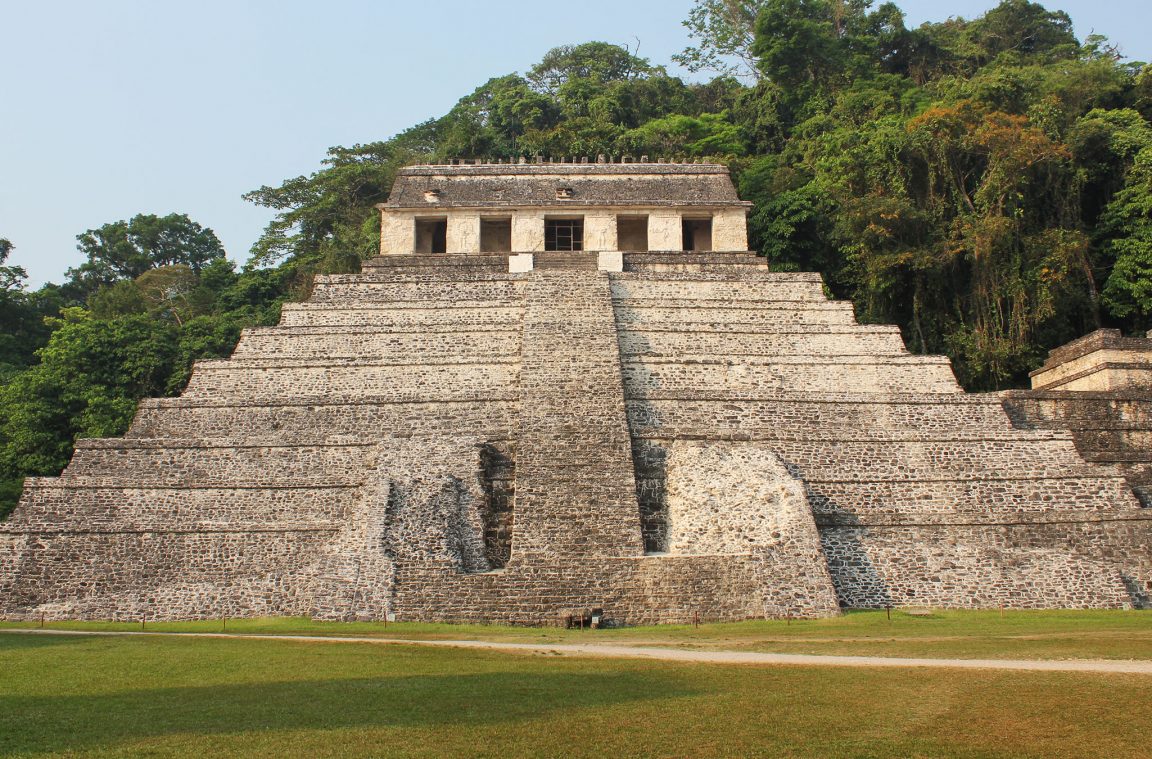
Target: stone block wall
[[913, 485], [1112, 428], [1102, 361], [438, 439]]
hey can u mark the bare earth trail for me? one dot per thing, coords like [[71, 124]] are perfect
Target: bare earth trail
[[671, 654]]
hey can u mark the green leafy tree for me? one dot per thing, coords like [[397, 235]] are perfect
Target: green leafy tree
[[591, 62], [14, 311], [90, 376], [127, 249], [1127, 227], [709, 134], [332, 212], [1023, 28], [724, 31], [22, 314]]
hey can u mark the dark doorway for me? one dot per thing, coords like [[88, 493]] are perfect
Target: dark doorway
[[496, 235], [698, 234], [632, 233], [431, 235]]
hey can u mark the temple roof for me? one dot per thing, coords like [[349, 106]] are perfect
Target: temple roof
[[555, 185]]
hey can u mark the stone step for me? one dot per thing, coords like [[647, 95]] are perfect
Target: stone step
[[745, 275], [365, 290], [1029, 407], [719, 292], [433, 316], [692, 261], [575, 486], [92, 504], [366, 418], [203, 462], [439, 275], [377, 346], [982, 569], [769, 316], [704, 344], [830, 417], [456, 263], [1125, 443], [967, 498], [268, 380], [565, 261], [650, 379], [906, 459]]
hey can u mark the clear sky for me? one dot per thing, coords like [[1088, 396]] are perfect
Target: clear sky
[[120, 107]]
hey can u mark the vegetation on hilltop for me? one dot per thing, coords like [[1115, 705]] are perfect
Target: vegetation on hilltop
[[986, 184]]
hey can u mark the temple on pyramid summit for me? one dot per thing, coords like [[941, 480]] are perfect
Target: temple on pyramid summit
[[565, 387]]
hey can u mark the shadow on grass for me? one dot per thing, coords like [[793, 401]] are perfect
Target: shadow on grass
[[75, 723], [19, 641]]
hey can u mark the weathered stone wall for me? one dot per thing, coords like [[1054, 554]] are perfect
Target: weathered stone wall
[[725, 499], [1102, 361], [1020, 566], [316, 420], [371, 344], [270, 379], [442, 440], [885, 444], [690, 341], [1112, 428], [428, 315]]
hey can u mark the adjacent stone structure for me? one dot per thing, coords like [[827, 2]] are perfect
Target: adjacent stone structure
[[1099, 388], [562, 387]]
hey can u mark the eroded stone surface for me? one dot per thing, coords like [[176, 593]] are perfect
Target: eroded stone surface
[[440, 439]]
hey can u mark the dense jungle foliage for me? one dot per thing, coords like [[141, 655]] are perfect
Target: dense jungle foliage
[[986, 184]]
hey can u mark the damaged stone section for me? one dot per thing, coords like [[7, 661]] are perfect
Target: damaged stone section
[[739, 499], [650, 461], [730, 499], [354, 573], [498, 480], [436, 511]]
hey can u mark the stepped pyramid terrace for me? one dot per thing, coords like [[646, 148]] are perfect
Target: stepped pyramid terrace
[[566, 387]]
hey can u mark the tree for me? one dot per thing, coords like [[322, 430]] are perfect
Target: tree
[[812, 48], [15, 313], [710, 134], [1127, 227], [332, 211], [11, 277], [90, 376], [1026, 29], [127, 249], [22, 315], [596, 62], [724, 31]]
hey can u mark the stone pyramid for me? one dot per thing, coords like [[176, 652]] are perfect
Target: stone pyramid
[[683, 434]]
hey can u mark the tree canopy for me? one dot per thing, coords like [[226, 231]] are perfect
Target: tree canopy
[[984, 183], [123, 249]]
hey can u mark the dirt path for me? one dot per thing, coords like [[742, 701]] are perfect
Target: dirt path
[[670, 654]]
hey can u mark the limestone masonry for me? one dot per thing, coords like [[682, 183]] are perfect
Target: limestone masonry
[[569, 386]]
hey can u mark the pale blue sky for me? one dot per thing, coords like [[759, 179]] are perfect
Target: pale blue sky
[[122, 107]]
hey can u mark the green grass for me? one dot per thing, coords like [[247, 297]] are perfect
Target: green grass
[[229, 697], [943, 634]]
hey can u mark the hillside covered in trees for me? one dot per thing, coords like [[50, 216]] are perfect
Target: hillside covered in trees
[[986, 184]]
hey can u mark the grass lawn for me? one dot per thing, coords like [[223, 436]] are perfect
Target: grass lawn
[[944, 634], [229, 697]]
